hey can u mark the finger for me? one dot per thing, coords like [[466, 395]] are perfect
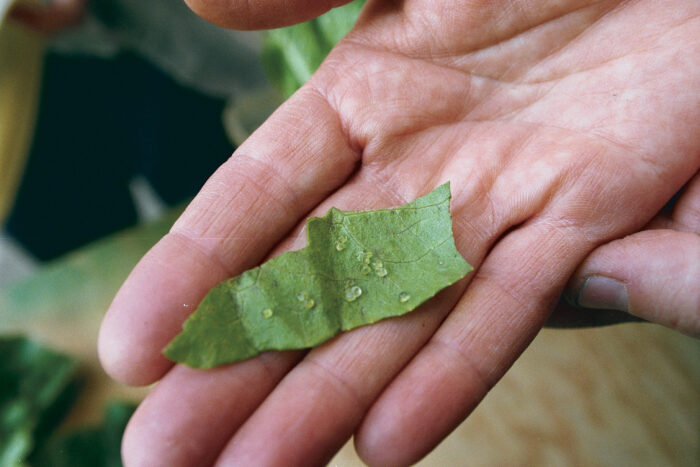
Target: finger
[[491, 325], [203, 408], [653, 274], [296, 159], [199, 427], [267, 14]]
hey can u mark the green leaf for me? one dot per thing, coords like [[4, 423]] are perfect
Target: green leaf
[[98, 446], [37, 386], [358, 268], [292, 54]]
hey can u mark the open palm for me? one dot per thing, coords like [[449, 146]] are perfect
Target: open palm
[[561, 126]]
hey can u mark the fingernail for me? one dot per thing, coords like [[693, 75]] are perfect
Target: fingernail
[[603, 293]]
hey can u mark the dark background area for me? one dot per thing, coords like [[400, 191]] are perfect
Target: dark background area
[[102, 122]]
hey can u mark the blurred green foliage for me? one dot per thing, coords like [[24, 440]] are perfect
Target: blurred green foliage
[[35, 385], [38, 387], [96, 446], [292, 54]]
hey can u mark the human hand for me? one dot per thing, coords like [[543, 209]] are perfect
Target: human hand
[[49, 18], [561, 128], [652, 274]]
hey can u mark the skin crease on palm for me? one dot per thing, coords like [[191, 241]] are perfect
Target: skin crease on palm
[[562, 126]]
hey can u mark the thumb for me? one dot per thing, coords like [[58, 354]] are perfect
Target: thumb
[[653, 274], [50, 18]]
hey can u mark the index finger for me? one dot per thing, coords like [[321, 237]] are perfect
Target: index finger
[[279, 174]]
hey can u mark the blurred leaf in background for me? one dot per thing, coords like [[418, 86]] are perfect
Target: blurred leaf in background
[[95, 446], [38, 387], [292, 54]]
